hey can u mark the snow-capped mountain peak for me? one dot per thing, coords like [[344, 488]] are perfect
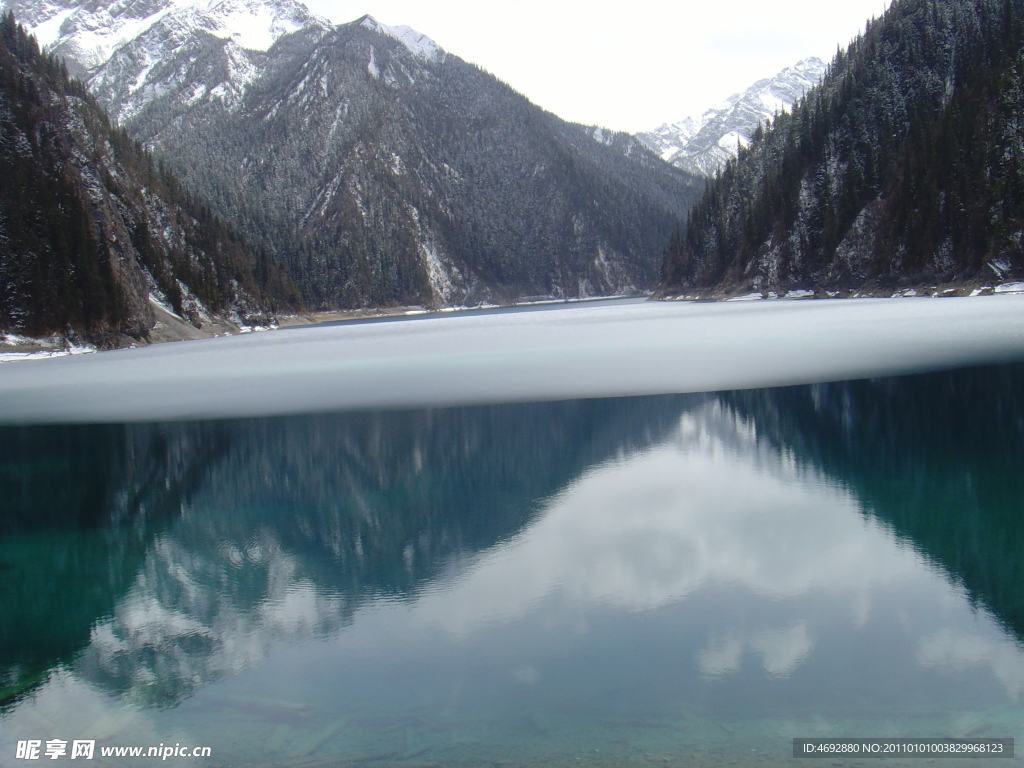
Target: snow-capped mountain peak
[[703, 145], [256, 25], [418, 44], [89, 34], [667, 139], [135, 52]]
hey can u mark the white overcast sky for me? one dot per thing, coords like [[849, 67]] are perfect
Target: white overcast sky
[[629, 66]]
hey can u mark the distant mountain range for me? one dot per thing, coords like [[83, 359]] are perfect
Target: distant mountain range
[[904, 168], [375, 166], [703, 145]]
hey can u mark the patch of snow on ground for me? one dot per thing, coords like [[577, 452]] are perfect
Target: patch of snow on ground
[[748, 297], [799, 294], [10, 357], [56, 347], [999, 266], [256, 29], [603, 266], [48, 32], [157, 298], [14, 338], [198, 91], [773, 103], [1010, 288], [242, 70], [147, 66], [730, 141], [440, 282]]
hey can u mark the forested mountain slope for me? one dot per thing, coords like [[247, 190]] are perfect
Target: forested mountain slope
[[380, 169], [905, 167], [91, 231]]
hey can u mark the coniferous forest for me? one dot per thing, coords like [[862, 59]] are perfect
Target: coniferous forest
[[379, 176], [904, 167], [90, 225]]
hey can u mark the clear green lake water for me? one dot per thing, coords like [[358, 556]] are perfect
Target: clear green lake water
[[672, 580]]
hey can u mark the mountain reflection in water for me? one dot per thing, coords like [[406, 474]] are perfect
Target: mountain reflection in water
[[543, 577], [229, 516], [940, 458]]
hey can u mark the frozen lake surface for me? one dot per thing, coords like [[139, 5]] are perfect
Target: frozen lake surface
[[588, 350]]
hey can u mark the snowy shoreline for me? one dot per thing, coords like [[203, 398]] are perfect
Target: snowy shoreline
[[171, 327], [927, 291]]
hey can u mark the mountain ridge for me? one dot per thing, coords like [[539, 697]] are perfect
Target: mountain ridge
[[88, 34], [703, 145], [395, 172]]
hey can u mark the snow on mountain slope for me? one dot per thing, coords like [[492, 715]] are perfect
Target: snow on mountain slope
[[669, 138], [89, 34], [135, 52], [703, 145], [418, 44], [193, 54]]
